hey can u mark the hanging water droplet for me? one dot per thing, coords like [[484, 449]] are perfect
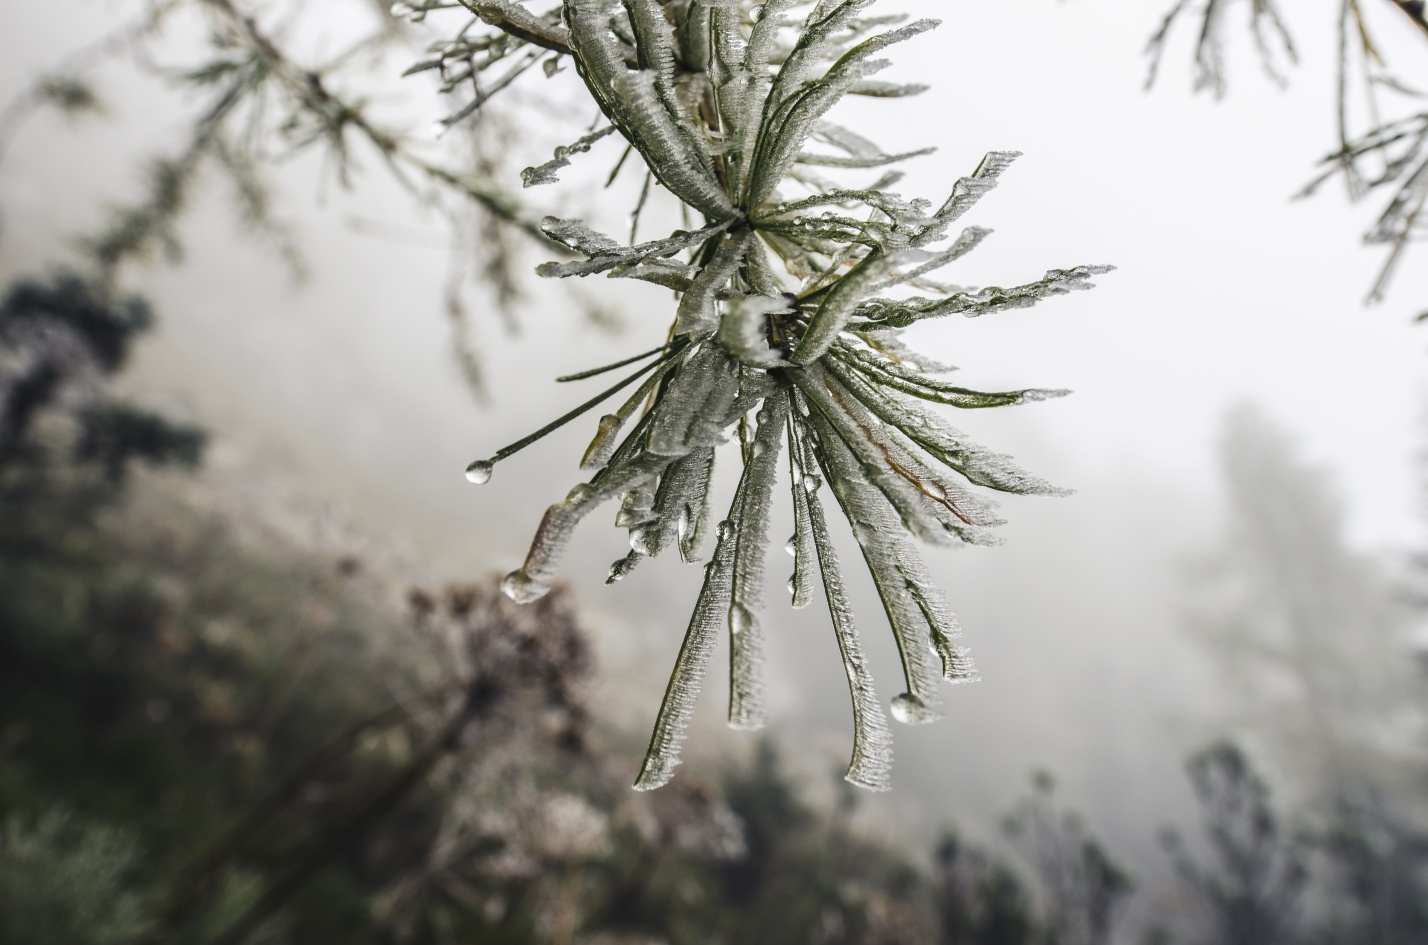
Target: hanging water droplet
[[402, 9], [683, 525], [479, 472], [580, 494], [522, 589], [812, 484], [757, 12], [793, 585], [438, 128], [741, 619], [910, 710], [620, 568], [726, 530], [792, 546]]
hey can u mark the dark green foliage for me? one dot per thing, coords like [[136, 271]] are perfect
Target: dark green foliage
[[1359, 877], [1377, 877], [1251, 891], [69, 94], [979, 901], [65, 880], [172, 684], [114, 434], [57, 338], [106, 324], [797, 875], [1084, 886]]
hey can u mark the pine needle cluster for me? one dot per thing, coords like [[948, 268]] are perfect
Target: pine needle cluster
[[790, 299]]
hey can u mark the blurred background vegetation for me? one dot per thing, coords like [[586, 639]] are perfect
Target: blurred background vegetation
[[209, 738]]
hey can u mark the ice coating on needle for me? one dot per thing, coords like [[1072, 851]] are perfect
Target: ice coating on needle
[[796, 271], [746, 683]]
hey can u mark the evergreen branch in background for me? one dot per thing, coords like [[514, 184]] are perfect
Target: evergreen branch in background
[[57, 339], [1084, 885], [263, 102], [1389, 155], [789, 300]]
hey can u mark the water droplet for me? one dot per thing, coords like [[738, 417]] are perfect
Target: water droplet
[[812, 484], [620, 568], [580, 494], [741, 619], [522, 589], [792, 546], [401, 9], [438, 128], [910, 710], [757, 12], [864, 532], [793, 585], [479, 472], [683, 523], [726, 530]]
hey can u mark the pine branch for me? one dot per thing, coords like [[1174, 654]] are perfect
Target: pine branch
[[778, 317]]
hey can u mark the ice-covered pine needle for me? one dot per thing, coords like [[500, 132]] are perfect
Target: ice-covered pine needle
[[790, 297]]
